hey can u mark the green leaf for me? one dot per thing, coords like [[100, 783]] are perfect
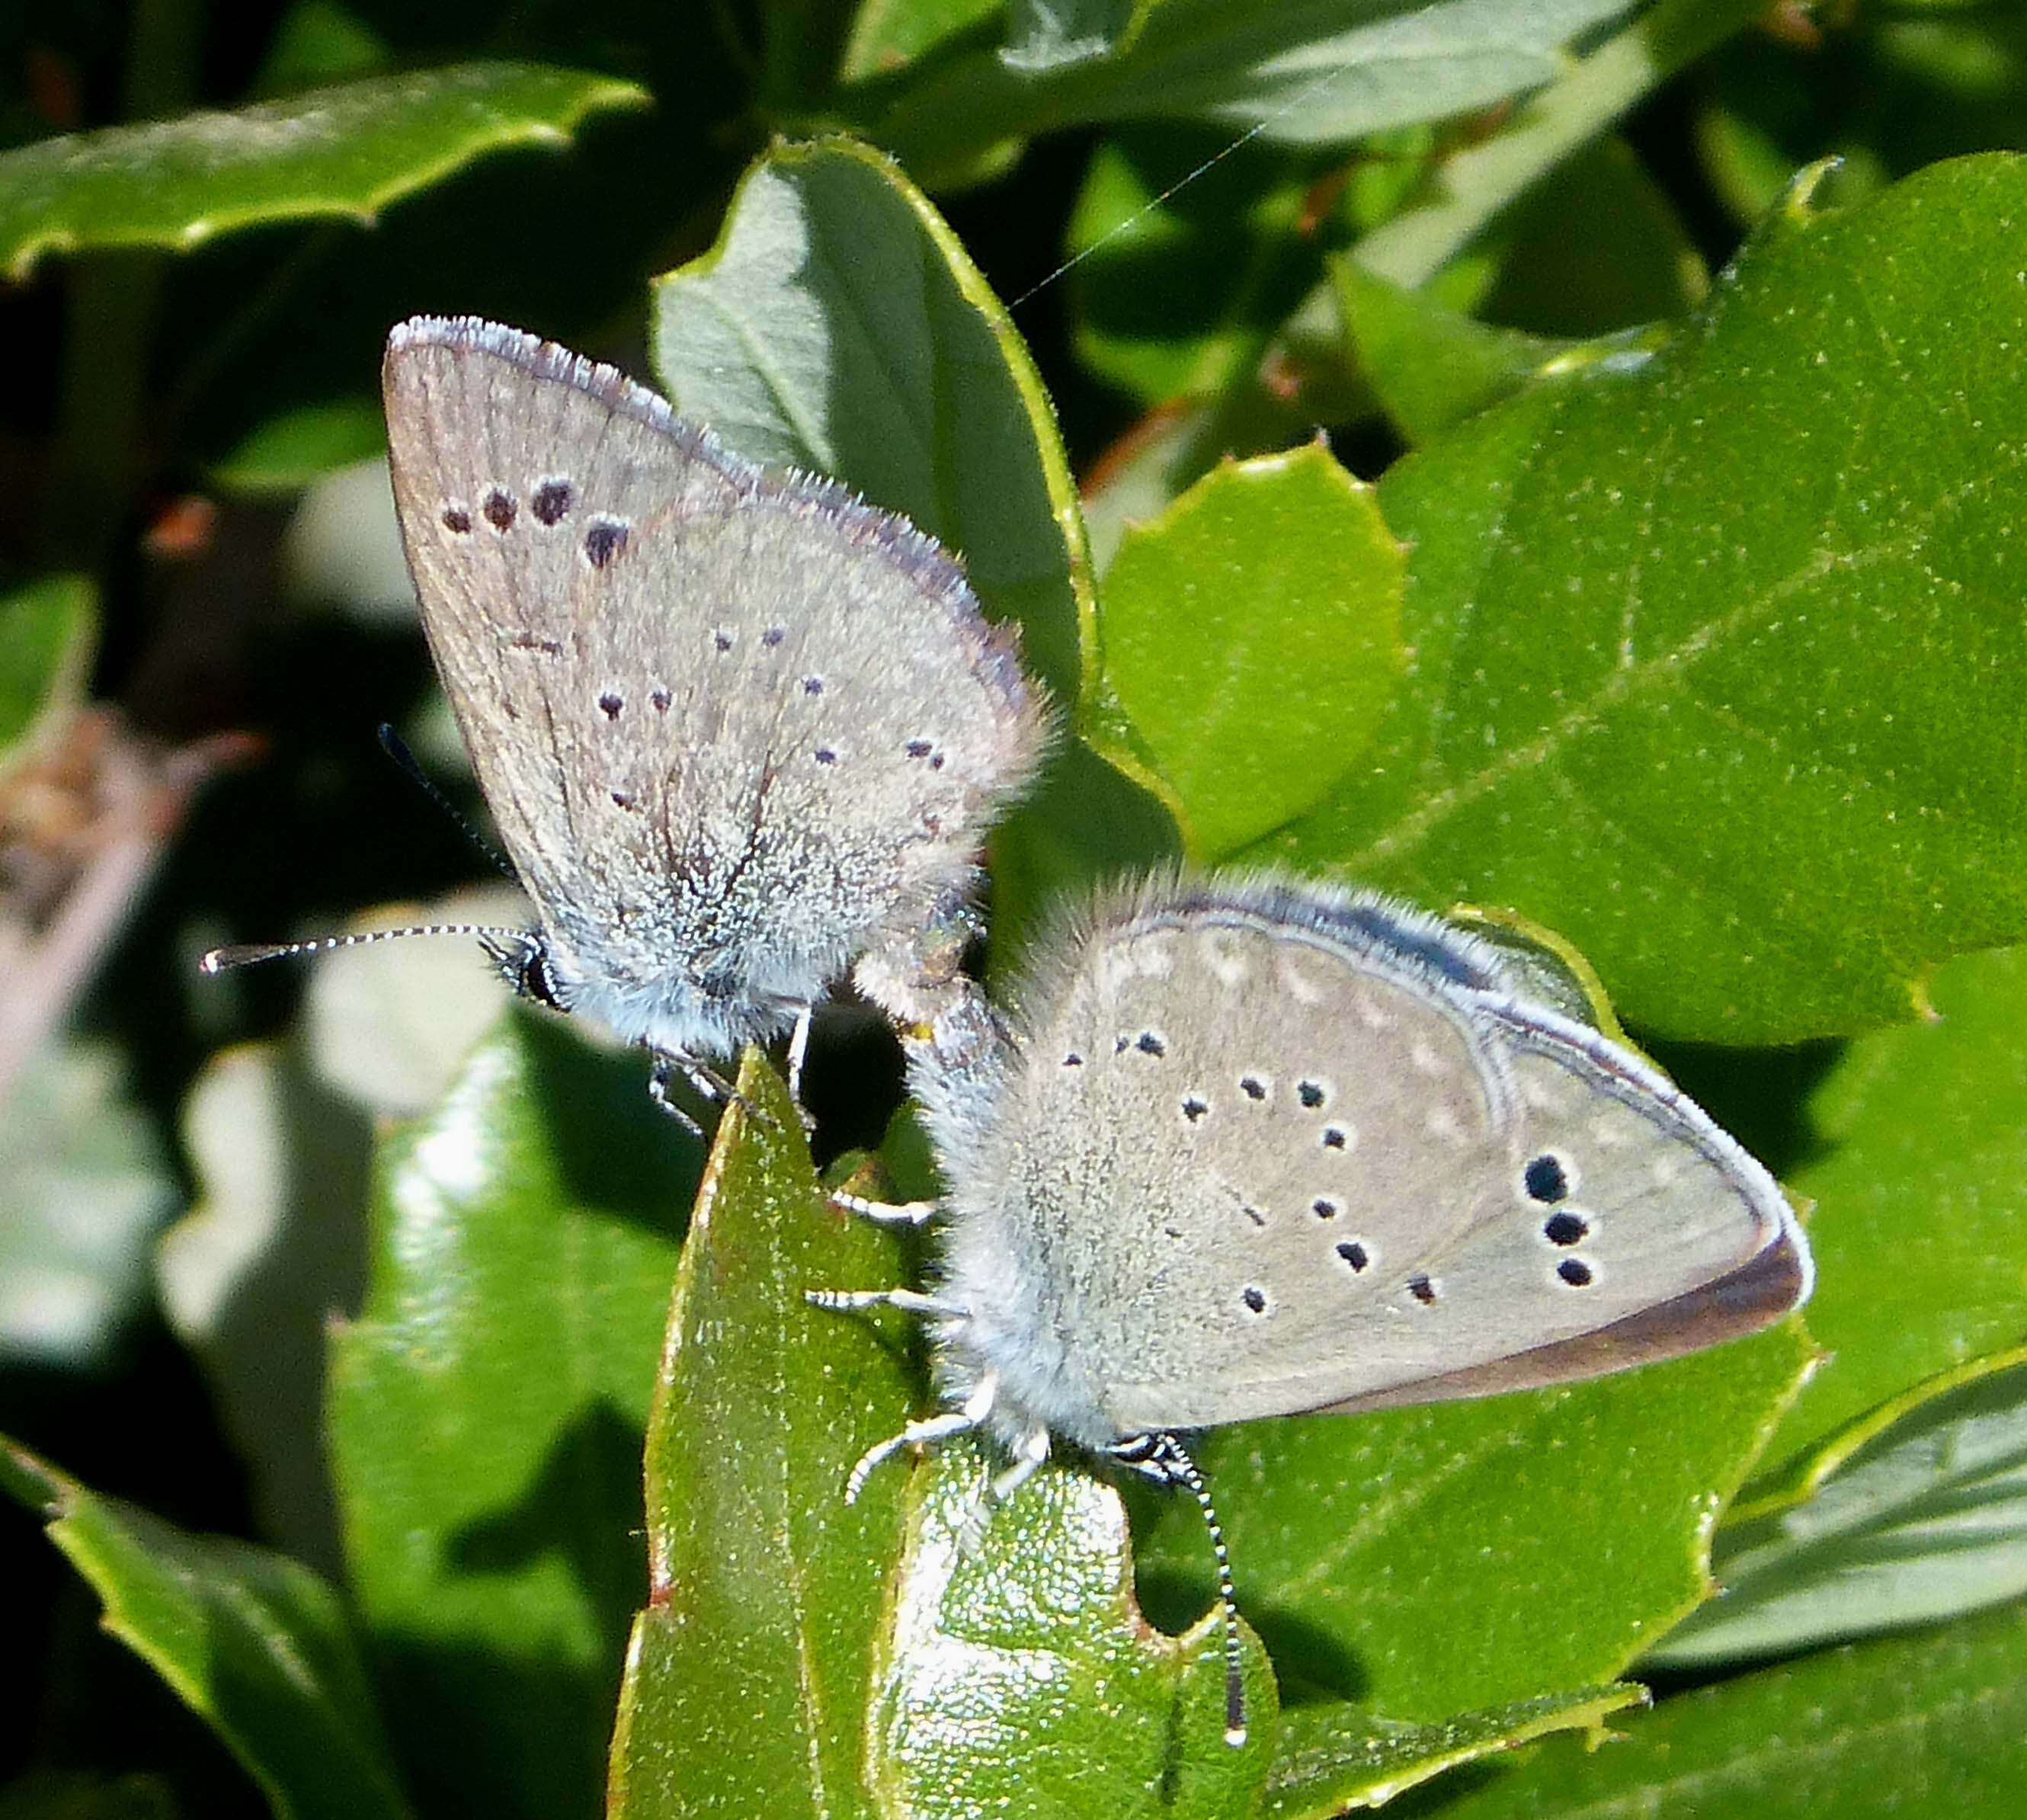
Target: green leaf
[[1718, 656], [1922, 1517], [1310, 71], [48, 628], [1484, 179], [1251, 634], [1546, 265], [487, 1410], [1929, 1724], [1424, 1563], [285, 453], [838, 325], [255, 1645], [1190, 253], [1331, 1758], [1086, 820], [319, 41], [887, 35], [746, 1682], [347, 151], [1022, 1680], [1918, 1192], [1432, 368]]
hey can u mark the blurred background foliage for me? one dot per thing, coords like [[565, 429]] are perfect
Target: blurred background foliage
[[203, 613]]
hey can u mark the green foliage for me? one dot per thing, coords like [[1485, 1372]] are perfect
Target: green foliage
[[1936, 1720], [347, 151], [486, 1414], [1288, 659], [1783, 666], [746, 1682], [1922, 1133], [1919, 1517], [257, 1645], [47, 629], [1674, 618]]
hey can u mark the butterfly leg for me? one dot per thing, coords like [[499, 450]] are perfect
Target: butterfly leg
[[704, 1080], [888, 1212], [1029, 1452], [666, 1069], [909, 1300], [798, 1051], [968, 1415]]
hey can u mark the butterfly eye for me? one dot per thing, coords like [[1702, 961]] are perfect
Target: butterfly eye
[[536, 982]]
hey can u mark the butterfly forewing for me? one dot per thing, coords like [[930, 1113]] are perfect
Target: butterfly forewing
[[720, 715]]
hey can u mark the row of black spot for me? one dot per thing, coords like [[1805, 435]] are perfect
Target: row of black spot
[[604, 537], [612, 706]]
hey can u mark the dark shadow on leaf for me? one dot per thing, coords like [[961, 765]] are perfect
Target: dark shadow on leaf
[[616, 1151], [1437, 1795], [595, 1466], [1759, 1095], [435, 1689], [569, 1510], [1310, 1665]]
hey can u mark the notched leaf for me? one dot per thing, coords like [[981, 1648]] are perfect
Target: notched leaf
[[348, 150], [1917, 1518], [1251, 638], [1333, 1758], [1023, 1679], [1715, 654]]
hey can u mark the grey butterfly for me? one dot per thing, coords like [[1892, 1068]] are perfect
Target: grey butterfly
[[737, 730], [1245, 1147]]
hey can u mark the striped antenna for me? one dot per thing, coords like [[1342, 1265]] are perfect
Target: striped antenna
[[246, 953], [1177, 1465], [396, 748]]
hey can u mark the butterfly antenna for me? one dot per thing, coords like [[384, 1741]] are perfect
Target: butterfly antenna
[[398, 748], [1182, 1470], [246, 953]]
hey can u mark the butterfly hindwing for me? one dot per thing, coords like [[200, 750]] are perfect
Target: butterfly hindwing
[[1337, 1163]]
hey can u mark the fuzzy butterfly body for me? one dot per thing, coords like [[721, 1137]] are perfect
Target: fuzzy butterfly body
[[736, 730]]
